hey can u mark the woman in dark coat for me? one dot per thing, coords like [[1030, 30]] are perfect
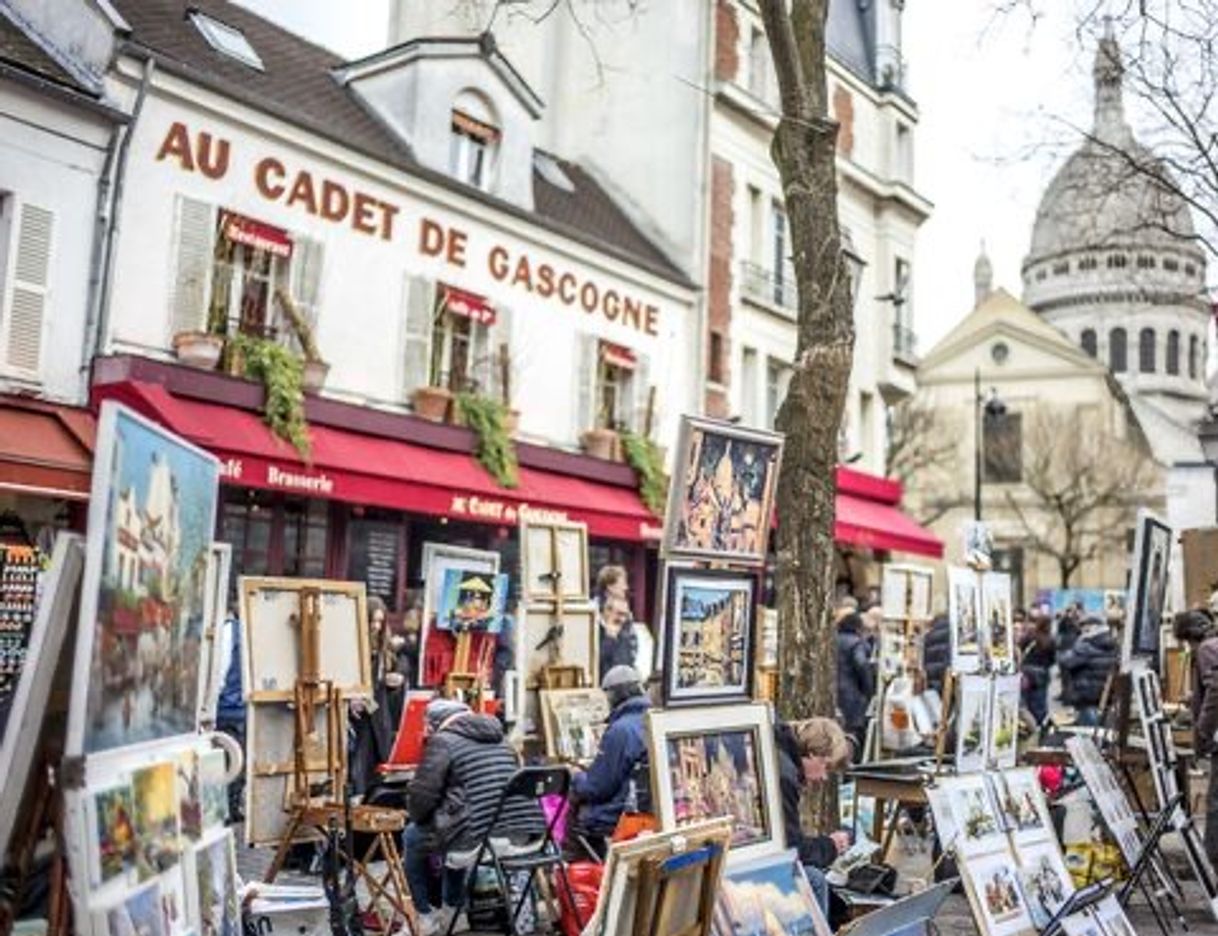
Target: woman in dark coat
[[937, 652], [855, 676], [1088, 664]]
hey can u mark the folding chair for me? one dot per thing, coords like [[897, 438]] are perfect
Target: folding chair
[[528, 783]]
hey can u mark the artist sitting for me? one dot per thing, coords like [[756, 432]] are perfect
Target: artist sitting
[[609, 786], [451, 801], [808, 752]]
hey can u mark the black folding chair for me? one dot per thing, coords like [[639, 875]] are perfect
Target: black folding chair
[[528, 783]]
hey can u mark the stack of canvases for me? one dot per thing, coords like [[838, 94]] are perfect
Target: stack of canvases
[[147, 847], [714, 767]]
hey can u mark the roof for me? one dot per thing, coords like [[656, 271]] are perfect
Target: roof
[[21, 52], [298, 85], [850, 39]]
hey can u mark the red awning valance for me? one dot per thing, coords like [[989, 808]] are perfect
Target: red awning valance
[[470, 305], [618, 355], [45, 449], [242, 230], [378, 471], [869, 515]]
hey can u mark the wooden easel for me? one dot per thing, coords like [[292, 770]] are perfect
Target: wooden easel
[[319, 813], [945, 722], [660, 891], [911, 628]]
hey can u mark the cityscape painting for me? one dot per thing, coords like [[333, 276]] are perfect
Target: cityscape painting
[[709, 648]]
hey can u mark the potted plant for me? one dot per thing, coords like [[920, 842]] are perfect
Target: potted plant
[[600, 443], [431, 402], [314, 369], [202, 347], [488, 419]]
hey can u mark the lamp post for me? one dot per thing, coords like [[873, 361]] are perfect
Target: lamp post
[[983, 408]]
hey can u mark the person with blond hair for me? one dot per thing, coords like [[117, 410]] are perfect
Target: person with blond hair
[[808, 753]]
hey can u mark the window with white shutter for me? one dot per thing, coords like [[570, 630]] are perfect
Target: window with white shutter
[[419, 298], [493, 357], [586, 359], [27, 296], [194, 248], [304, 286], [641, 392]]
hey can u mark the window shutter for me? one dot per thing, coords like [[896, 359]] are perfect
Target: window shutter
[[640, 391], [31, 288], [585, 384], [195, 244], [420, 297], [479, 366], [304, 281], [500, 338]]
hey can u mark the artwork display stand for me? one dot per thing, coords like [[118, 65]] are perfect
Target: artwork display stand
[[912, 627], [660, 891], [949, 716], [1152, 857]]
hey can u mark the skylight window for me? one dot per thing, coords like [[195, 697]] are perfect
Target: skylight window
[[226, 40]]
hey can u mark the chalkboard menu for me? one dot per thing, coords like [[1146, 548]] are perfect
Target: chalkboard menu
[[20, 581], [374, 557]]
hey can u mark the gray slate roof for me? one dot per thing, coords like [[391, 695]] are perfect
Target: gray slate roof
[[20, 52]]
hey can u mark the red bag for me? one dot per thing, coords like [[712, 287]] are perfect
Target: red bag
[[585, 878]]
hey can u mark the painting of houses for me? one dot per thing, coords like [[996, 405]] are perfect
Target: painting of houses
[[710, 646], [151, 522], [716, 774]]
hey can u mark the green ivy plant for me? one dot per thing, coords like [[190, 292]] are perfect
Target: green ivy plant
[[495, 451], [280, 372], [645, 457]]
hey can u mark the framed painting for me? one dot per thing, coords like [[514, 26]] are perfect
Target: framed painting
[[472, 601], [438, 558], [110, 829], [552, 639], [999, 905], [905, 592], [768, 895], [997, 624], [972, 723], [154, 795], [212, 882], [716, 761], [554, 561], [1021, 803], [974, 815], [211, 656], [1003, 736], [1046, 883], [721, 497], [1148, 589], [574, 721], [963, 612], [709, 647], [271, 612], [139, 911], [152, 514]]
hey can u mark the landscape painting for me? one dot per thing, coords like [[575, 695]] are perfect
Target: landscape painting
[[151, 520], [709, 648], [216, 882], [767, 896], [113, 845], [962, 612], [155, 795], [721, 498]]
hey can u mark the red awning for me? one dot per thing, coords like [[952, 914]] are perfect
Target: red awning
[[45, 449], [470, 305], [373, 470], [618, 355], [256, 234], [869, 515]]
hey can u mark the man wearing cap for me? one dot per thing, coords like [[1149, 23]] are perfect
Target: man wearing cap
[[466, 764], [609, 784]]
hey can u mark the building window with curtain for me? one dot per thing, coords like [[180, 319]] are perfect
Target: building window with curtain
[[250, 261], [1194, 356], [615, 375], [1172, 365], [1117, 351], [460, 340], [472, 143], [1087, 340], [1146, 351], [1002, 447]]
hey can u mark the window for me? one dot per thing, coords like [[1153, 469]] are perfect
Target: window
[[249, 262], [472, 143], [1041, 275], [615, 387], [714, 364], [756, 225], [1146, 351], [1000, 353], [1194, 356], [454, 339], [1173, 353], [749, 377], [274, 535], [904, 153], [614, 390], [867, 425], [1117, 261], [227, 40], [1010, 561], [1088, 263], [1146, 262], [1061, 268], [1002, 447], [778, 234], [1087, 340], [1190, 270], [759, 64], [777, 378], [1171, 264], [1117, 351], [902, 307]]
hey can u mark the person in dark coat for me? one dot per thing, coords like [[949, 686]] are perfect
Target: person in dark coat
[[374, 724], [1038, 653], [452, 799], [619, 644], [230, 709], [611, 784], [1196, 628], [937, 652], [1088, 663], [855, 676], [808, 752]]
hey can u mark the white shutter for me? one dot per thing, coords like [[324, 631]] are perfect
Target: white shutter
[[585, 383], [640, 390], [420, 298], [31, 289], [304, 282], [478, 368], [500, 340], [194, 249]]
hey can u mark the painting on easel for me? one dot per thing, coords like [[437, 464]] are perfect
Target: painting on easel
[[1148, 589], [472, 601], [964, 607], [553, 639]]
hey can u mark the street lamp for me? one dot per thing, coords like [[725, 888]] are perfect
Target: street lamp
[[988, 407]]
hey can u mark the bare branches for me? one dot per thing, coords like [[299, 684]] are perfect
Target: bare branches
[[922, 453]]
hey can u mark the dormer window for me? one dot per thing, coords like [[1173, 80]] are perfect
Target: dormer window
[[227, 40], [475, 135]]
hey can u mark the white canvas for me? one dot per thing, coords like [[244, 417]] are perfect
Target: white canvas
[[550, 640]]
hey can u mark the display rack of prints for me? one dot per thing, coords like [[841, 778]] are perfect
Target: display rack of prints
[[1149, 571], [721, 497], [152, 510]]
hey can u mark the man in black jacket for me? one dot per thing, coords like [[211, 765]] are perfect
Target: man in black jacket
[[466, 764], [1086, 667], [808, 752], [937, 652], [855, 676]]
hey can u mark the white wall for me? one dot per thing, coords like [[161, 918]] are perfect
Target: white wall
[[51, 156]]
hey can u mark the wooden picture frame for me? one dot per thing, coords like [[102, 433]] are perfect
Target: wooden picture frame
[[575, 643], [721, 496], [152, 515], [1149, 572], [729, 745], [711, 658], [271, 645], [554, 562], [574, 720]]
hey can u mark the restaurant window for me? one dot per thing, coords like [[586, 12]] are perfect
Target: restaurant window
[[1002, 447], [273, 535], [1173, 353], [1146, 351], [777, 379], [473, 138], [250, 262], [1117, 351], [614, 387], [305, 527]]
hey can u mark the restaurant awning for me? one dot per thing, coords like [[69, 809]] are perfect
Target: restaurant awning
[[869, 515], [373, 470], [46, 449]]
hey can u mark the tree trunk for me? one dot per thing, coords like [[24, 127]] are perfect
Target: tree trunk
[[804, 151]]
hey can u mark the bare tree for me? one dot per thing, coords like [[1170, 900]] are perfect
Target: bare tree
[[1081, 487], [804, 151], [922, 453]]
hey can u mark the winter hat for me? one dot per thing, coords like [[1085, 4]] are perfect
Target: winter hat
[[441, 710], [621, 675]]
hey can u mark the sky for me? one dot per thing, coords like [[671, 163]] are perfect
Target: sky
[[998, 98]]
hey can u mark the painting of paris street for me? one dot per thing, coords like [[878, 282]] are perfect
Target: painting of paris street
[[151, 519]]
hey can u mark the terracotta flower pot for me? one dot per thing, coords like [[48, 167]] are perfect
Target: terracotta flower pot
[[431, 402], [198, 349], [600, 443], [314, 376]]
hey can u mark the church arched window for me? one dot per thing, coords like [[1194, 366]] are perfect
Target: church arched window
[[1173, 352], [1194, 356], [1117, 350], [1087, 340], [1146, 351]]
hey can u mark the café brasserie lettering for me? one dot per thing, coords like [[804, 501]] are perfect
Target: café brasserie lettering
[[333, 201]]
